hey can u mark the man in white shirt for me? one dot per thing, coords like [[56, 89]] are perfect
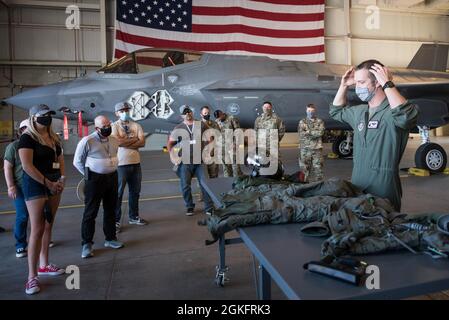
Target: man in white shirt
[[96, 159], [130, 138]]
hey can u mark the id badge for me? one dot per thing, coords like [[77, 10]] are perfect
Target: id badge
[[55, 165], [192, 141]]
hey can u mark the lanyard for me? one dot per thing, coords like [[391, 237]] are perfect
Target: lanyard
[[191, 131], [105, 145], [125, 128], [56, 154]]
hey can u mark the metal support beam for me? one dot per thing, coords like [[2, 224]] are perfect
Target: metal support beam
[[53, 26], [50, 63], [52, 4], [347, 14], [103, 34]]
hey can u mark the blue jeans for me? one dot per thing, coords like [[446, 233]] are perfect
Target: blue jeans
[[20, 229], [130, 174], [185, 173]]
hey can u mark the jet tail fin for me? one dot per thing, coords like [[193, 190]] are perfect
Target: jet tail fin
[[430, 57]]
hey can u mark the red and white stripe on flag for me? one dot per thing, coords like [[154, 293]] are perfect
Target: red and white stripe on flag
[[280, 29]]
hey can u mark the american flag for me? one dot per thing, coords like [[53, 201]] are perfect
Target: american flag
[[280, 29]]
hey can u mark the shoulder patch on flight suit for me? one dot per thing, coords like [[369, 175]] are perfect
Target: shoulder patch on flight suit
[[373, 124], [361, 126]]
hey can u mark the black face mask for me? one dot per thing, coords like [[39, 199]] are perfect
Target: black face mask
[[45, 121], [105, 132], [206, 117]]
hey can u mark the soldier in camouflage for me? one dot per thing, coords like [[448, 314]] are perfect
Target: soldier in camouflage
[[224, 122], [269, 120], [310, 132], [212, 169]]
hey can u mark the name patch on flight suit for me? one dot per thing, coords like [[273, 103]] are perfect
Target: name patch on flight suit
[[373, 124]]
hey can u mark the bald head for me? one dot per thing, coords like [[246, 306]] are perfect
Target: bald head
[[103, 126], [102, 121]]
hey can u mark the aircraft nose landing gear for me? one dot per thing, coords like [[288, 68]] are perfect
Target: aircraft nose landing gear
[[342, 145], [430, 156]]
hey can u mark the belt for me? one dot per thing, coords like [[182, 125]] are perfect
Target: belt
[[102, 174]]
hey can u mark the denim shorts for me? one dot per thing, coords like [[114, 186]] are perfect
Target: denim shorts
[[35, 190]]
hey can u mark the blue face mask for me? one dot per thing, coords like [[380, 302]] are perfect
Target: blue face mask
[[124, 116], [364, 94], [310, 114]]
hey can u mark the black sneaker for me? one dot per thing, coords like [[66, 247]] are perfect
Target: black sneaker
[[189, 212], [21, 253]]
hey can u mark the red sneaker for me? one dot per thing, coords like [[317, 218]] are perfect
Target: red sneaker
[[32, 286], [50, 270]]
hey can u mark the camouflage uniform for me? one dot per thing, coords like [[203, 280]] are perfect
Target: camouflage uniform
[[229, 170], [354, 222], [270, 121], [212, 169], [310, 148]]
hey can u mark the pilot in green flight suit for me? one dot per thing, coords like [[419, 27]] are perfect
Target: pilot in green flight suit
[[381, 128]]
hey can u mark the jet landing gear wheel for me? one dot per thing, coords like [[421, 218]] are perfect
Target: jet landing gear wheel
[[432, 157], [220, 276], [342, 147]]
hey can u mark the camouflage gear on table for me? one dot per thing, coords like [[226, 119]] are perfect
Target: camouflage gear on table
[[229, 170], [357, 223], [310, 148], [212, 169]]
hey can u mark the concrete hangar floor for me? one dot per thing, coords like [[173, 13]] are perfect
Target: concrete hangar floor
[[167, 259]]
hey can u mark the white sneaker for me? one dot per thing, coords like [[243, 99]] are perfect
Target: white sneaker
[[114, 244], [32, 286], [87, 251]]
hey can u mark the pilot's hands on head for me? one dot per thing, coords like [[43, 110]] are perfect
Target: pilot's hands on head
[[382, 74], [348, 78]]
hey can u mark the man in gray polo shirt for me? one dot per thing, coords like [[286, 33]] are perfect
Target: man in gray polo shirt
[[96, 159]]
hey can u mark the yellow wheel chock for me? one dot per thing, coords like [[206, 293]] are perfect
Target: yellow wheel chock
[[419, 172]]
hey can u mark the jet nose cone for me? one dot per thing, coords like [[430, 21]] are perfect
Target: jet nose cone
[[51, 95]]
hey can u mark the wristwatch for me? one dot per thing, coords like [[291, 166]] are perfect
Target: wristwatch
[[388, 84]]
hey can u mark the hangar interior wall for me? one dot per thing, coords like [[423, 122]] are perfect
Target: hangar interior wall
[[42, 50]]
